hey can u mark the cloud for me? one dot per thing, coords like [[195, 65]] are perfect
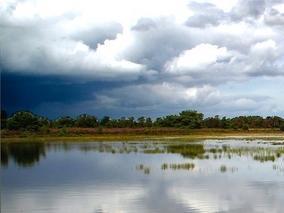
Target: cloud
[[73, 41], [249, 8], [275, 16], [186, 45], [97, 35], [201, 62], [34, 53], [197, 59], [205, 14], [171, 98]]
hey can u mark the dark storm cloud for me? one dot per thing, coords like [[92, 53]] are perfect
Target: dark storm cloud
[[27, 92], [144, 57]]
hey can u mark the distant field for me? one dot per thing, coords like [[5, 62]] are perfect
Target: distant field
[[107, 134]]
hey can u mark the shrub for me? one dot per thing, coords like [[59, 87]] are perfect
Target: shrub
[[65, 121], [24, 120], [282, 126], [86, 121], [245, 127], [44, 129], [63, 131]]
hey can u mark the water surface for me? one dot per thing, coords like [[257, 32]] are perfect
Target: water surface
[[204, 176]]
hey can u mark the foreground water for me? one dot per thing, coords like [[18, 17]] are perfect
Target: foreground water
[[204, 176]]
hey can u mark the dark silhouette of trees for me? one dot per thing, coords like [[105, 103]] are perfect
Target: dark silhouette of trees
[[213, 122], [87, 121], [282, 126], [25, 120], [3, 119], [148, 122], [105, 121], [141, 121], [191, 119], [65, 121]]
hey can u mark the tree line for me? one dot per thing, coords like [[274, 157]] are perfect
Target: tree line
[[25, 120]]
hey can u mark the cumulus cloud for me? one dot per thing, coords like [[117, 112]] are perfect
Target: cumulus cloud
[[249, 8], [206, 14], [170, 98], [275, 15], [180, 51], [198, 59], [203, 61], [38, 53]]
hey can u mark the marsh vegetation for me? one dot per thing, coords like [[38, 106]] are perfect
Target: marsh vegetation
[[29, 153], [139, 170]]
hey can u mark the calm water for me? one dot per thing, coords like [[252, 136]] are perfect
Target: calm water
[[206, 176]]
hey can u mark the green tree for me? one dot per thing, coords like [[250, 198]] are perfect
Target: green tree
[[3, 119], [24, 120], [282, 126], [148, 122], [105, 120], [225, 123], [65, 121], [87, 121], [131, 122], [170, 121], [141, 121], [191, 119], [212, 122]]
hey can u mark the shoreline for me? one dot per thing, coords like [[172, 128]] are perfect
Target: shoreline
[[190, 136], [146, 134]]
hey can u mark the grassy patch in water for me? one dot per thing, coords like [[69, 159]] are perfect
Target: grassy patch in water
[[178, 166], [223, 168], [187, 150], [263, 158], [145, 169]]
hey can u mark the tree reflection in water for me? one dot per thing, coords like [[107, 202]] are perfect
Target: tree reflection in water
[[23, 154]]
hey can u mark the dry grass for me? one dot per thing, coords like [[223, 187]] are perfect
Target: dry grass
[[130, 134]]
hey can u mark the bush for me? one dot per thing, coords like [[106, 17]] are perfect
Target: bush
[[87, 121], [100, 130], [44, 129], [282, 127], [65, 121], [24, 120], [63, 131], [245, 127], [3, 119]]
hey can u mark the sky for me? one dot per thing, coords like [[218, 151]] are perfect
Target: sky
[[142, 57]]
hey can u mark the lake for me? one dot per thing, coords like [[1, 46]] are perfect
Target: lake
[[90, 177]]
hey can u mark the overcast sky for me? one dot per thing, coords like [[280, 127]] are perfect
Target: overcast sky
[[142, 57]]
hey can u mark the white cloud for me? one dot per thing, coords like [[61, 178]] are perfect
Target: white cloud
[[197, 59], [206, 60], [176, 50]]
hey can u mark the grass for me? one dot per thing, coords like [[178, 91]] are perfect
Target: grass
[[223, 168], [146, 170], [184, 166], [263, 158], [30, 153], [187, 150], [150, 134]]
